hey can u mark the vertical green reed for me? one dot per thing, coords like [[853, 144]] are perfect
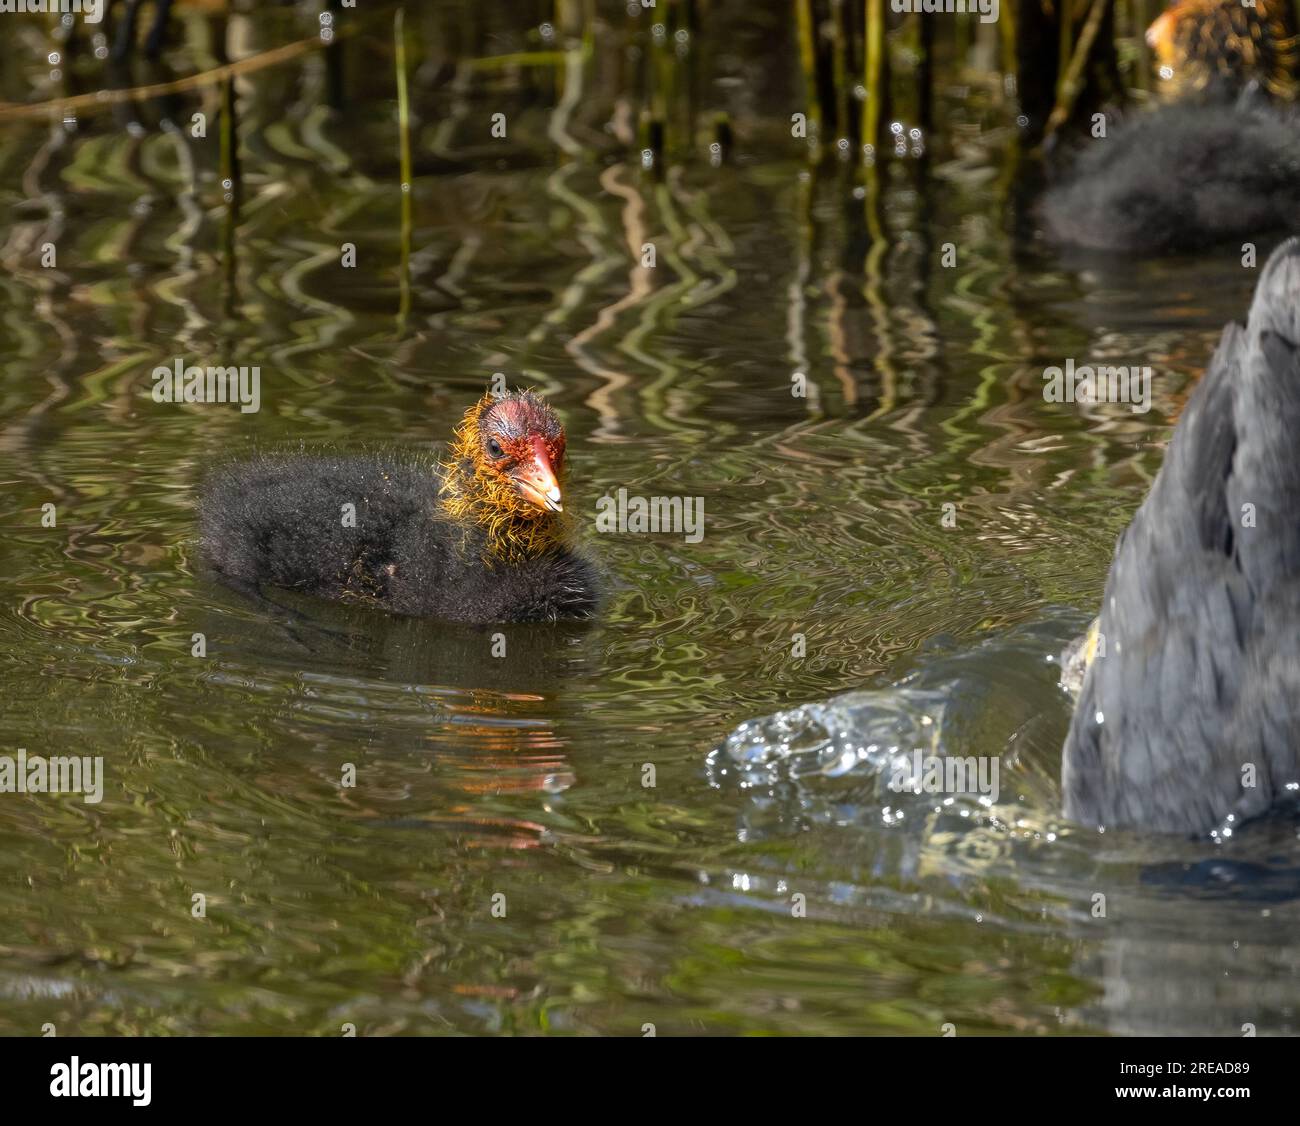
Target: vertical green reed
[[875, 74], [925, 74], [1141, 19], [404, 148], [841, 53], [231, 179], [1007, 16], [1065, 43], [807, 25], [231, 186]]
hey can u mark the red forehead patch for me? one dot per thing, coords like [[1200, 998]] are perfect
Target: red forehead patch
[[523, 417]]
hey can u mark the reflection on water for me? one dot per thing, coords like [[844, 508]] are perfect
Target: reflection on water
[[478, 776]]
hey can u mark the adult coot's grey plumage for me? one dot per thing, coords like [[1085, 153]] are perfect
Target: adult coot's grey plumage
[[480, 538], [1222, 162], [1190, 708]]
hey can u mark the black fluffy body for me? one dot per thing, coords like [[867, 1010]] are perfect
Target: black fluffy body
[[1180, 178], [1199, 678], [278, 520]]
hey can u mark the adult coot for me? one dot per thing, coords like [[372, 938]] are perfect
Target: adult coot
[[1189, 713]]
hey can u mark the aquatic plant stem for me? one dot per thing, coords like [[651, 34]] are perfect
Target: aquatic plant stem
[[404, 142], [231, 186], [1072, 80], [876, 74], [808, 64]]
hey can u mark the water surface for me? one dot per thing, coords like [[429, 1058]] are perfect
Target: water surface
[[522, 777]]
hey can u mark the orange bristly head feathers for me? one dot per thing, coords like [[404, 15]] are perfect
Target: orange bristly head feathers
[[1201, 43], [504, 473]]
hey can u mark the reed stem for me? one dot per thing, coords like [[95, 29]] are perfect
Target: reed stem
[[876, 74], [404, 143]]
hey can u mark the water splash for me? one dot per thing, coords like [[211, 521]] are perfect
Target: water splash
[[867, 731], [863, 756]]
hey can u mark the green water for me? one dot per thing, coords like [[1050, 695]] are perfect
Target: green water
[[480, 777]]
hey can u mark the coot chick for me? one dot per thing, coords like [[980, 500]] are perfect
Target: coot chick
[[1189, 713], [479, 538], [1218, 48], [1181, 178], [1223, 162]]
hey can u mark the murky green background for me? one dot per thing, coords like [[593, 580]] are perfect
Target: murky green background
[[522, 776]]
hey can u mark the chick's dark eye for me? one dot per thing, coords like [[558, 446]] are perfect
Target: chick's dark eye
[[494, 448]]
